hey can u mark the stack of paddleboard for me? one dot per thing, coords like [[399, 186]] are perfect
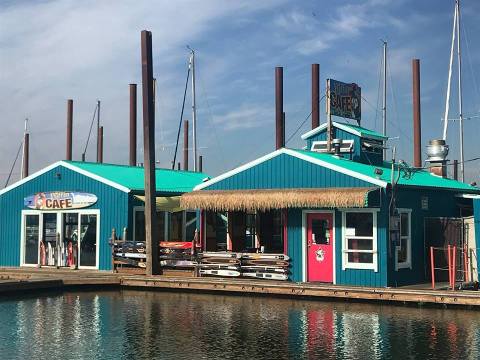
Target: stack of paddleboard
[[265, 266], [219, 264], [129, 253], [176, 254]]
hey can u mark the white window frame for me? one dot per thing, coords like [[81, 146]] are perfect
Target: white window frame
[[60, 231], [407, 264], [349, 265], [343, 149]]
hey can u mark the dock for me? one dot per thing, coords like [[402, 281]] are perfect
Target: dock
[[19, 280]]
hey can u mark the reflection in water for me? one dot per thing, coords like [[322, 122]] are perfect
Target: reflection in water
[[139, 325]]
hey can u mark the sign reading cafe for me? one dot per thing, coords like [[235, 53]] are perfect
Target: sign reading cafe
[[59, 200], [345, 99]]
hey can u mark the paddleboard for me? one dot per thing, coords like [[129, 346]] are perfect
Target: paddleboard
[[177, 263], [262, 256], [281, 263], [218, 255], [218, 266], [262, 275], [265, 269], [220, 272], [131, 255], [220, 260], [176, 244]]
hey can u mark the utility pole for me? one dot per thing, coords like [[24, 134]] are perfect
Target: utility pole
[[384, 103], [460, 105], [194, 109]]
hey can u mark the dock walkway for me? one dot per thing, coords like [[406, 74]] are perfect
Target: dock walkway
[[30, 279]]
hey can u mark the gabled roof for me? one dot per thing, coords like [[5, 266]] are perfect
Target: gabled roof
[[352, 129], [408, 176], [124, 178]]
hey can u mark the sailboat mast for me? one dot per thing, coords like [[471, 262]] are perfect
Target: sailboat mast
[[194, 111], [384, 104], [447, 100], [460, 105]]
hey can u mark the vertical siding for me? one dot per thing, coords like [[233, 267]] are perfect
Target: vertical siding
[[362, 277], [441, 203], [284, 172], [112, 203], [295, 248]]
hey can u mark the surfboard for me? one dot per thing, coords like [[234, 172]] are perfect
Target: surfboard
[[219, 266], [220, 260], [282, 270], [220, 272], [176, 244], [178, 263], [131, 255], [263, 275], [218, 255]]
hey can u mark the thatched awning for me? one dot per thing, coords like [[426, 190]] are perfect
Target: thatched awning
[[238, 200]]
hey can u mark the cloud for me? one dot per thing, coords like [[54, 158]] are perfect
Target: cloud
[[246, 117]]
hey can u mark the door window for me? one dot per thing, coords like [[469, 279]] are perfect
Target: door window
[[70, 239], [320, 232], [48, 248], [88, 240], [32, 231]]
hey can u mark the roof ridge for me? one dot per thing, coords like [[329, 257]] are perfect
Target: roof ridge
[[130, 166]]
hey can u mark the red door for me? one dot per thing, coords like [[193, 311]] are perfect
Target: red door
[[320, 247]]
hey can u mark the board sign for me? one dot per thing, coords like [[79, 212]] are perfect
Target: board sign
[[59, 200], [345, 99]]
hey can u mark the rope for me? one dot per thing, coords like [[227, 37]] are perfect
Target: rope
[[13, 166], [90, 131], [181, 120]]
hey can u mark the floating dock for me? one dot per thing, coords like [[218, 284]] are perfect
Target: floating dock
[[18, 280]]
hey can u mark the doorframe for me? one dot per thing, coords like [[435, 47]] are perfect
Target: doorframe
[[304, 242], [22, 236], [59, 231]]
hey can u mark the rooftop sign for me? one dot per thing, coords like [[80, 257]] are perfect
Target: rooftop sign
[[345, 99]]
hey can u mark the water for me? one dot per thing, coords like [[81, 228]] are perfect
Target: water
[[141, 325]]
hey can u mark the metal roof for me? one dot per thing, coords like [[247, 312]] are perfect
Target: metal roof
[[350, 128], [132, 177], [408, 176]]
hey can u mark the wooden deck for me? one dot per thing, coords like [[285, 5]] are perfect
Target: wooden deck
[[31, 279]]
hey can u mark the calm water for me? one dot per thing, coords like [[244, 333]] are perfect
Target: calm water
[[142, 325]]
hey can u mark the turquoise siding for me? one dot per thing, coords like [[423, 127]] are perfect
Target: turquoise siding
[[286, 172], [357, 277], [112, 203]]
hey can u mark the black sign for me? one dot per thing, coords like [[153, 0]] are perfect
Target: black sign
[[345, 99]]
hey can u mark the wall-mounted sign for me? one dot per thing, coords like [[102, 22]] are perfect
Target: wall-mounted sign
[[345, 99], [424, 202], [59, 200]]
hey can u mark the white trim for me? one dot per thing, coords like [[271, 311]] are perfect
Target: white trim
[[343, 127], [22, 237], [97, 240], [70, 167], [407, 264], [298, 155], [345, 263], [468, 196], [239, 169], [95, 177], [304, 242]]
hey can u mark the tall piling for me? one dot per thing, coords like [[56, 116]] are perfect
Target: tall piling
[[133, 125], [26, 152], [151, 239], [315, 95], [100, 145], [279, 129], [68, 155], [417, 121]]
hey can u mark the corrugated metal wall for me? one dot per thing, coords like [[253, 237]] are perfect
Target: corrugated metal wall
[[112, 203], [440, 204], [287, 172]]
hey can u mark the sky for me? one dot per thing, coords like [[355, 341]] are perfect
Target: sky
[[51, 51]]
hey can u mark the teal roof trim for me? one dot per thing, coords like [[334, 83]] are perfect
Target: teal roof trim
[[408, 176], [132, 177]]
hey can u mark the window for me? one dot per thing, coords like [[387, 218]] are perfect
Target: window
[[360, 239], [403, 249]]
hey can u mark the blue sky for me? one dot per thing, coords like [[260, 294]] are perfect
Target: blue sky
[[87, 50]]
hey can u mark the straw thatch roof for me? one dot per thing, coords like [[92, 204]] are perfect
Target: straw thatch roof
[[238, 200]]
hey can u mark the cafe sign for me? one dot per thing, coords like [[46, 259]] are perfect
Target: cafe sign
[[59, 200], [344, 99]]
